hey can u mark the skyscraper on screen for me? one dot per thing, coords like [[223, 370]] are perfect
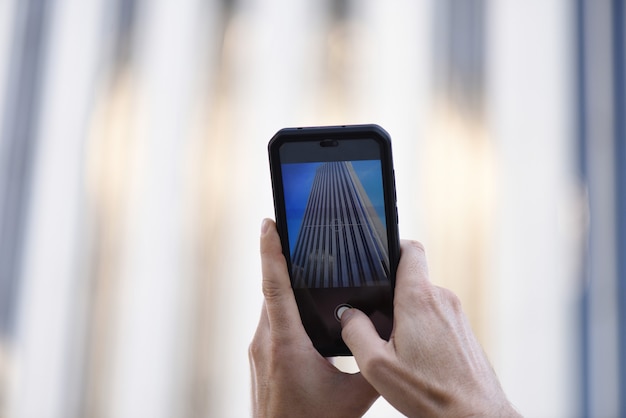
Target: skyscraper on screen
[[342, 240]]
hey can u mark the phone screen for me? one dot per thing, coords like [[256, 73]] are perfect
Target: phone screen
[[336, 223], [336, 210]]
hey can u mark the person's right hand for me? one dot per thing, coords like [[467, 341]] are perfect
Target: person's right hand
[[432, 366]]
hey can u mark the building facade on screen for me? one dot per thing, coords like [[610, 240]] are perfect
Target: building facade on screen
[[342, 241]]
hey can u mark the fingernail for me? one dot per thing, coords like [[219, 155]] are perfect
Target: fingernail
[[341, 311], [264, 226]]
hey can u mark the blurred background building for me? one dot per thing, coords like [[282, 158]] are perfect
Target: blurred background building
[[134, 177]]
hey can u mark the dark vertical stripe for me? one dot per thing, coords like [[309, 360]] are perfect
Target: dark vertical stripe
[[459, 53], [619, 105], [19, 142], [581, 113]]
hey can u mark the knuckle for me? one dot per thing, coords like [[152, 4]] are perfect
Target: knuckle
[[376, 365], [449, 298], [417, 245], [417, 259], [426, 293], [255, 350], [267, 352], [274, 290], [270, 291]]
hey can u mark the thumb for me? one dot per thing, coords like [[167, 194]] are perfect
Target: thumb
[[360, 335], [282, 311]]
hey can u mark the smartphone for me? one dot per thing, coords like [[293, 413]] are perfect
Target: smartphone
[[335, 204]]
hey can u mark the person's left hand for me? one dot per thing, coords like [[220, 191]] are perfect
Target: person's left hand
[[289, 376]]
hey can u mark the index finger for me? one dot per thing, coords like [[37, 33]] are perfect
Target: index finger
[[412, 280], [282, 310]]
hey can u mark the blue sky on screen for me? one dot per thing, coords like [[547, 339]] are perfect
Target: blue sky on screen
[[297, 183]]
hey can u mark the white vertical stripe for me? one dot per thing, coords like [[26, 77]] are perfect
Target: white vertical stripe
[[275, 53], [7, 22], [46, 336], [535, 260], [151, 323], [391, 87]]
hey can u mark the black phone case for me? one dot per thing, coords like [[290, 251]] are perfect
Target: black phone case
[[375, 300]]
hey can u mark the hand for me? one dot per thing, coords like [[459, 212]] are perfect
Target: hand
[[289, 377], [432, 365]]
